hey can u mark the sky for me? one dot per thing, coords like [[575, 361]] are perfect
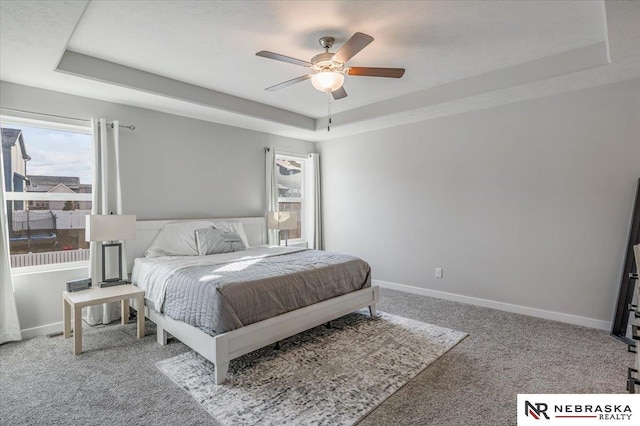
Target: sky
[[57, 153]]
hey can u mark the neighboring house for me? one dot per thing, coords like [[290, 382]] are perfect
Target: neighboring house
[[60, 184], [85, 188], [15, 157], [61, 205], [47, 183]]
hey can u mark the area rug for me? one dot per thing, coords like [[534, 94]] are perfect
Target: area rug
[[324, 376]]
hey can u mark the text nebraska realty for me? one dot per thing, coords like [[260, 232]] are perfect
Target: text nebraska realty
[[601, 412]]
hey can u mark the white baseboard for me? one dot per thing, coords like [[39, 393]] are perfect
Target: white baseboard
[[42, 330], [501, 306]]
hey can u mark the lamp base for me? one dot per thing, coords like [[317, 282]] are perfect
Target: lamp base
[[113, 283]]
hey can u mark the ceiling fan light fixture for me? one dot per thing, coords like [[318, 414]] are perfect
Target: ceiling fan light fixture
[[327, 81], [327, 69]]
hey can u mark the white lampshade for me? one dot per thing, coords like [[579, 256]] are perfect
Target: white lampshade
[[327, 81], [110, 227], [283, 220]]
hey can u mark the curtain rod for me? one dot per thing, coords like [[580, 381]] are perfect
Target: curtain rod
[[130, 127], [288, 153]]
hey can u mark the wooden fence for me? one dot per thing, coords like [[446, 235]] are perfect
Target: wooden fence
[[46, 258]]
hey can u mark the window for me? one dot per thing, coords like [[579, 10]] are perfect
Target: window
[[48, 172], [290, 179]]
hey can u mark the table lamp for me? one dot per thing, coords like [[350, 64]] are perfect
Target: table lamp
[[283, 221], [112, 228]]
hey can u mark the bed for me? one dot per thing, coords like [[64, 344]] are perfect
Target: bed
[[226, 305]]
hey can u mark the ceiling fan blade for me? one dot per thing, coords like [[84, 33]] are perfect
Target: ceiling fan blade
[[356, 43], [376, 72], [288, 83], [339, 93], [283, 58]]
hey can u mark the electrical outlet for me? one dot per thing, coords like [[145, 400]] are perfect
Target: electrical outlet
[[438, 272]]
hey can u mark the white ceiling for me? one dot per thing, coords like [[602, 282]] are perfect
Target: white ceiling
[[197, 58]]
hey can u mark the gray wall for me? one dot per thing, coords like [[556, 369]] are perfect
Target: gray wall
[[171, 167], [526, 204]]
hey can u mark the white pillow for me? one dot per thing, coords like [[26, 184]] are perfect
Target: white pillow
[[235, 227], [176, 239]]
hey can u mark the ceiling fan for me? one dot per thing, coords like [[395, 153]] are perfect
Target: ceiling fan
[[328, 69]]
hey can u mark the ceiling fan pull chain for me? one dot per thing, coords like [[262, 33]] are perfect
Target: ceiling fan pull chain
[[329, 112]]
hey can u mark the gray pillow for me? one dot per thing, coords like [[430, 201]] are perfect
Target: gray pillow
[[176, 239], [214, 241]]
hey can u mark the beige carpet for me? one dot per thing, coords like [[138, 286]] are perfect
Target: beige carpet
[[115, 380], [320, 377]]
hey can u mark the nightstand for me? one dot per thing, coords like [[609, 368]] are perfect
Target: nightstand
[[96, 296]]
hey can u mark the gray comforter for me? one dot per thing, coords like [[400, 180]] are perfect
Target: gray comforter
[[222, 297]]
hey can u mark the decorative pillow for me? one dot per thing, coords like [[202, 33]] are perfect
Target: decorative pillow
[[214, 241], [176, 239], [235, 227]]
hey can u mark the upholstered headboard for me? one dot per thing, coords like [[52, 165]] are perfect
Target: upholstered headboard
[[146, 231]]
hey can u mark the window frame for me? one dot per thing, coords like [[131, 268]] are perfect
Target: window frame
[[302, 199], [63, 126]]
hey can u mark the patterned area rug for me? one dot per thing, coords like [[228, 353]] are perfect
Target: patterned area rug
[[324, 376]]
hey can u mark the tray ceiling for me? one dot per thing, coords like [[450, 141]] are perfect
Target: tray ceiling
[[198, 58]]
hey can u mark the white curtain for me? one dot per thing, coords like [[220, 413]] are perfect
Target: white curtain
[[314, 200], [9, 322], [106, 199], [271, 190]]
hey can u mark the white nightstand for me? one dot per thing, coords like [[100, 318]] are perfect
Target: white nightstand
[[96, 296]]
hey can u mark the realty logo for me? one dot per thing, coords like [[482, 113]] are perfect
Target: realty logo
[[577, 409], [536, 410]]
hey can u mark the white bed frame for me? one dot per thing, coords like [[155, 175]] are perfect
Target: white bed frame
[[222, 348]]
